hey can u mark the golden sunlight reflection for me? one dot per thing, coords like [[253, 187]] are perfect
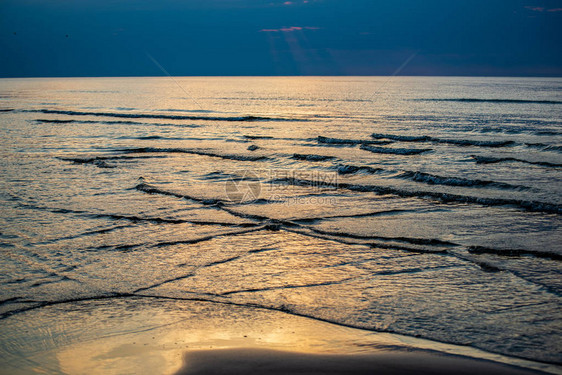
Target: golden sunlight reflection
[[149, 336], [152, 339]]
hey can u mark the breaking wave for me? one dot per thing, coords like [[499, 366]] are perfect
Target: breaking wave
[[544, 147], [514, 252], [310, 157], [350, 169], [101, 161], [55, 121], [459, 142], [432, 179], [482, 100], [395, 151], [492, 160], [122, 122], [258, 137], [149, 189], [161, 116], [442, 197], [340, 141], [151, 150]]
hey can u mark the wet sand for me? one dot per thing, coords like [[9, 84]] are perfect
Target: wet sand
[[398, 362], [164, 336]]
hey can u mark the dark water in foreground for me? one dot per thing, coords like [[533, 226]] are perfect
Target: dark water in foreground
[[423, 206]]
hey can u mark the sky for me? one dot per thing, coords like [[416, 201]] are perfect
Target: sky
[[66, 38]]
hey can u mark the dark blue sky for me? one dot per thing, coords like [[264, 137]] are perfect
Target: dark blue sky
[[280, 37]]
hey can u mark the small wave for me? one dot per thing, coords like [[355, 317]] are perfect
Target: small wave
[[313, 220], [486, 267], [442, 197], [6, 109], [181, 110], [544, 147], [311, 157], [402, 138], [149, 137], [351, 169], [467, 142], [162, 116], [215, 202], [507, 130], [459, 142], [222, 176], [483, 100], [395, 151], [160, 220], [55, 121], [101, 161], [135, 218], [413, 241], [288, 98], [514, 252], [347, 142], [10, 300], [149, 189], [432, 179], [493, 160], [157, 137], [497, 130], [218, 175], [258, 137], [546, 132], [553, 148], [194, 152], [339, 141], [122, 122]]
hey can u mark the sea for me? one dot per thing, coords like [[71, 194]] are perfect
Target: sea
[[423, 206]]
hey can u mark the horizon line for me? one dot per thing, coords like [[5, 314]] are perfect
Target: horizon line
[[290, 76]]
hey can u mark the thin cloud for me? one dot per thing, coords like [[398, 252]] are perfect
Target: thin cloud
[[289, 29], [542, 9], [535, 9], [289, 3]]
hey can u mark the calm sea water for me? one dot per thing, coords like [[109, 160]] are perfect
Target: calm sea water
[[423, 206]]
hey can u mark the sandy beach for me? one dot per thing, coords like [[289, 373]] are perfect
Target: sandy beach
[[157, 336], [398, 362]]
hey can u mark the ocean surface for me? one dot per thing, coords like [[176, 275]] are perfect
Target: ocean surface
[[428, 207]]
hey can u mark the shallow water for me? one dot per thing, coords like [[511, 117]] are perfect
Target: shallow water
[[423, 206], [135, 335]]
